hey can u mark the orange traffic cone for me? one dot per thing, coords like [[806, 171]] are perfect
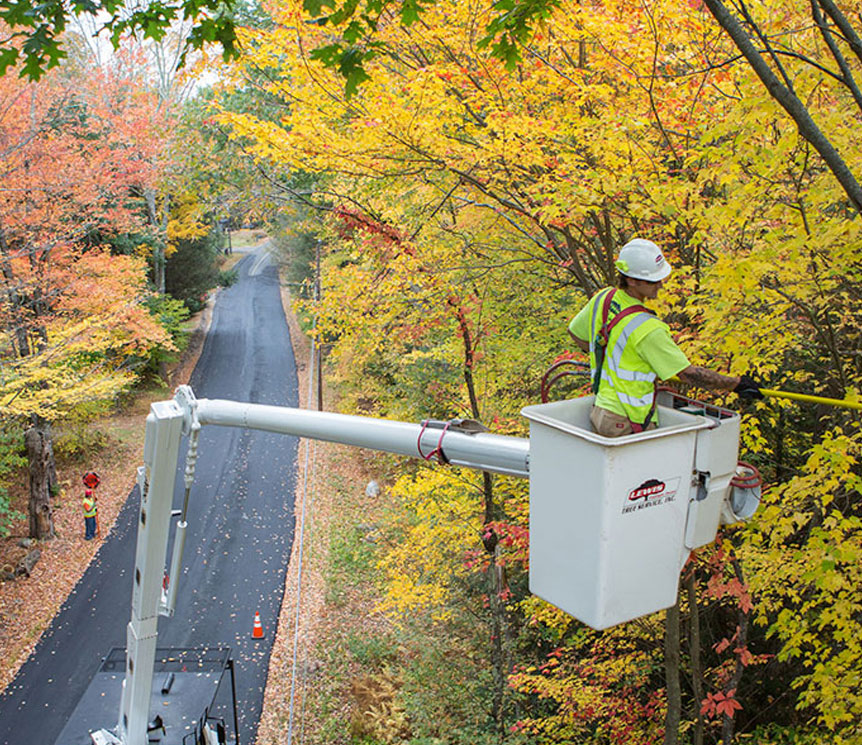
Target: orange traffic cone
[[257, 631]]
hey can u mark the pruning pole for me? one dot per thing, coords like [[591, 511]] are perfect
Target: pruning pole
[[804, 397], [841, 403]]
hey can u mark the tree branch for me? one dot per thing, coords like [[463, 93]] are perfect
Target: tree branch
[[840, 20], [846, 72], [790, 102]]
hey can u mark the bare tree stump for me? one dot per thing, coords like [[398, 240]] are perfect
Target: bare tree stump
[[25, 566], [40, 455]]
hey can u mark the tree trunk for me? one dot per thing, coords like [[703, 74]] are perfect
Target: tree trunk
[[694, 651], [497, 585], [43, 480], [499, 658], [162, 255], [159, 249], [671, 674], [732, 685]]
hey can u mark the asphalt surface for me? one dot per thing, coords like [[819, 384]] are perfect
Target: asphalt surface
[[238, 543]]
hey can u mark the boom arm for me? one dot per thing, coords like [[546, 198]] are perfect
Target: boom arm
[[169, 420]]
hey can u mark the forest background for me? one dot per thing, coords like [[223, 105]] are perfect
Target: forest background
[[466, 200]]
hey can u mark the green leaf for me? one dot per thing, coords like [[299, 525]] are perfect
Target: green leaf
[[32, 68], [330, 55], [315, 7], [8, 58], [344, 13], [353, 32], [410, 11], [88, 6], [351, 69], [19, 13]]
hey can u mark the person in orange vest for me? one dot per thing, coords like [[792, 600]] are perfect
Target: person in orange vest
[[91, 481]]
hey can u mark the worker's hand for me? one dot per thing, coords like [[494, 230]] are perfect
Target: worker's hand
[[748, 388]]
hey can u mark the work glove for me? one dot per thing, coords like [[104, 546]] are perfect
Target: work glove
[[748, 388]]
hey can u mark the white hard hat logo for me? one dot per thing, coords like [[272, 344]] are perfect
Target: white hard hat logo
[[643, 259]]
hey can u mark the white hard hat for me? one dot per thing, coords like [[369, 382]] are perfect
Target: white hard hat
[[643, 259]]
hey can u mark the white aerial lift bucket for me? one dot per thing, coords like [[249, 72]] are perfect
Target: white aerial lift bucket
[[612, 520]]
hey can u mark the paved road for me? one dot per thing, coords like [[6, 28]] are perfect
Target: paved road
[[238, 545]]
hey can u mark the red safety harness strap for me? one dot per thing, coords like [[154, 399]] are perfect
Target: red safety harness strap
[[600, 343]]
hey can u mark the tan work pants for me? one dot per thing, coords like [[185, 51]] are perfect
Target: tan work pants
[[609, 424]]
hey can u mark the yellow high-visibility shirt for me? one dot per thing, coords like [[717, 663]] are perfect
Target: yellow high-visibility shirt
[[89, 503], [649, 349]]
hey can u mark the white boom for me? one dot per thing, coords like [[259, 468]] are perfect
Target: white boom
[[455, 443]]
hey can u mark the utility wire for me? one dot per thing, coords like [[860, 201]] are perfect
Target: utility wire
[[304, 690], [314, 356]]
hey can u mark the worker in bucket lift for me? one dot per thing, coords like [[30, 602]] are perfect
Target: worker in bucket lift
[[630, 347]]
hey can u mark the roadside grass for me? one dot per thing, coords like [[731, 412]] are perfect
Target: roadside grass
[[352, 695], [375, 651], [227, 263], [351, 559], [246, 237]]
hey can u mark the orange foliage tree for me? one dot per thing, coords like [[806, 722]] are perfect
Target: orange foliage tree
[[72, 314]]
